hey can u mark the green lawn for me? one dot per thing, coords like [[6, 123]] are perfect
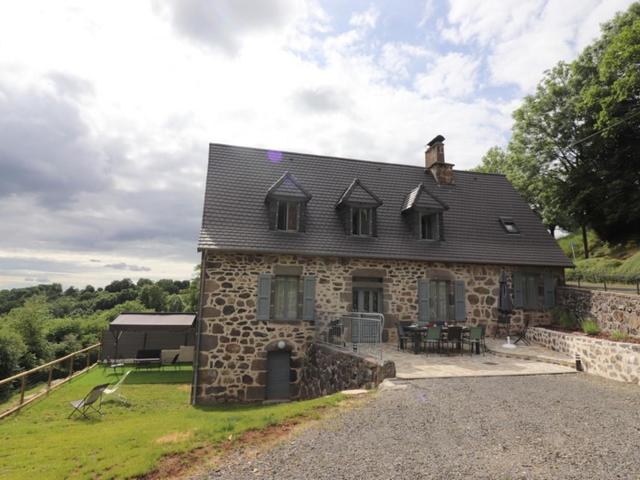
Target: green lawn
[[40, 442]]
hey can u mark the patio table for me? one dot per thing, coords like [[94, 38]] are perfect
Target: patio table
[[418, 331]]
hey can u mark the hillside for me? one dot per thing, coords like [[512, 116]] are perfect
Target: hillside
[[619, 262]]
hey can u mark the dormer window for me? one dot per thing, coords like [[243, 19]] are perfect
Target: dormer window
[[361, 219], [424, 213], [429, 226], [288, 216], [357, 208], [509, 225], [287, 204]]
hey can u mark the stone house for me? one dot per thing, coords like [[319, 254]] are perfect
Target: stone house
[[287, 236]]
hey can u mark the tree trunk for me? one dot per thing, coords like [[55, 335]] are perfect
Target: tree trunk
[[552, 230], [585, 241]]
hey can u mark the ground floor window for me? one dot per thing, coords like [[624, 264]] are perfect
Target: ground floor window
[[285, 297], [532, 291], [441, 301]]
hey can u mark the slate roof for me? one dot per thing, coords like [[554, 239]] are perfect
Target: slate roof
[[421, 198], [235, 214]]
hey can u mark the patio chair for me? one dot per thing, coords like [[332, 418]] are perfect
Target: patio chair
[[403, 337], [454, 338], [82, 406], [433, 337], [116, 387], [475, 339], [523, 334]]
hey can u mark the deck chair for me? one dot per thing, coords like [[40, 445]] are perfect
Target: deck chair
[[82, 406], [523, 334], [115, 389]]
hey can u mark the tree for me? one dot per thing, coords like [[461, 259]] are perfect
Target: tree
[[29, 321], [175, 303], [12, 350], [573, 151], [143, 281], [119, 285], [152, 296]]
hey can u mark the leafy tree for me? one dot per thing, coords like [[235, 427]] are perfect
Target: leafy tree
[[12, 350], [152, 296], [174, 303], [143, 281], [573, 152], [29, 321], [119, 285], [169, 286]]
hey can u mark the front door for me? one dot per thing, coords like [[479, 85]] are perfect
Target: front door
[[278, 366], [367, 300]]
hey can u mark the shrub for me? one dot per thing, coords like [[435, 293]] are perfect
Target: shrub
[[618, 336], [590, 327], [12, 350], [563, 318]]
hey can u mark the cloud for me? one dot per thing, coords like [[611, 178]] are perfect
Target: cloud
[[366, 19], [125, 266], [224, 24], [452, 75], [321, 99], [46, 147]]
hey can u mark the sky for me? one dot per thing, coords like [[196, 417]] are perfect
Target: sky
[[107, 108]]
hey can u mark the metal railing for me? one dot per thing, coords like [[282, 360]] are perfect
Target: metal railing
[[69, 366], [360, 333]]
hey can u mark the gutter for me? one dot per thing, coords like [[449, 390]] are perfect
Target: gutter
[[196, 359]]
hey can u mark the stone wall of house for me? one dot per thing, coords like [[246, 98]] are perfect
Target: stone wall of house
[[612, 310], [615, 360], [234, 344], [327, 369]]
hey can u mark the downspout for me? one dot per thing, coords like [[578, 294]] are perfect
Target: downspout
[[196, 358]]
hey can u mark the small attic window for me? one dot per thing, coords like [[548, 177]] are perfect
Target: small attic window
[[287, 203], [509, 225]]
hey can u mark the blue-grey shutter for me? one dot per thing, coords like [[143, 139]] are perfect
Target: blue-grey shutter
[[549, 291], [423, 300], [308, 297], [518, 290], [460, 302], [264, 296]]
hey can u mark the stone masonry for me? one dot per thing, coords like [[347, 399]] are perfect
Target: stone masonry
[[614, 360], [612, 310], [234, 344]]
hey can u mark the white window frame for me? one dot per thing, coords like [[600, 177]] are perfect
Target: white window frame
[[359, 211]]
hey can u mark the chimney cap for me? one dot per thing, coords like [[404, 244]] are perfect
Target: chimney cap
[[438, 139]]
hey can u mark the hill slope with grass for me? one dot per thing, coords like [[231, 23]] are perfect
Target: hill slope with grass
[[621, 261]]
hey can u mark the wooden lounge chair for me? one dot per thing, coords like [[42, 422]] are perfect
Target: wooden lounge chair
[[115, 389], [82, 406]]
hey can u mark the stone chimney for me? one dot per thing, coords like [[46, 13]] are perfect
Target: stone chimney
[[434, 162]]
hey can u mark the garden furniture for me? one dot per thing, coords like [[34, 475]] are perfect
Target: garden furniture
[[83, 405], [433, 338], [115, 390]]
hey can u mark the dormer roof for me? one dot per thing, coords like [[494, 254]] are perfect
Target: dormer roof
[[357, 194], [287, 187], [422, 199]]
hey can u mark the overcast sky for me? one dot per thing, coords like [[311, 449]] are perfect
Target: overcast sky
[[107, 107]]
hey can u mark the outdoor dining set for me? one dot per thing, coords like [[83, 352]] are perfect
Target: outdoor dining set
[[440, 338]]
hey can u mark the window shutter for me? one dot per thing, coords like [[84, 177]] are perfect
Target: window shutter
[[518, 290], [531, 297], [460, 302], [264, 296], [549, 291], [302, 216], [374, 222], [423, 300], [272, 207], [308, 297]]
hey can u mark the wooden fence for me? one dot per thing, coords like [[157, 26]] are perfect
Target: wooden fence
[[51, 384]]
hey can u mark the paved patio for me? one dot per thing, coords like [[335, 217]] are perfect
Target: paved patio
[[523, 360]]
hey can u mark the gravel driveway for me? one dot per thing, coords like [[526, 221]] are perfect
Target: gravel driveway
[[542, 427]]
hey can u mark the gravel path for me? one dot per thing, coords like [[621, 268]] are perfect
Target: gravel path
[[538, 427]]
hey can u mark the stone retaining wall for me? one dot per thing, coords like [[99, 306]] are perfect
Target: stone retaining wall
[[328, 370], [615, 360], [612, 310]]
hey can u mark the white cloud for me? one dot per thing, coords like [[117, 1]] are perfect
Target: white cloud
[[523, 38], [452, 75], [140, 95]]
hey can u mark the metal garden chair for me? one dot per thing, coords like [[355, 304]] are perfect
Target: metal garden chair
[[82, 406], [475, 339], [433, 337]]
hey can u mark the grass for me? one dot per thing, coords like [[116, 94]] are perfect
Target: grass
[[40, 442]]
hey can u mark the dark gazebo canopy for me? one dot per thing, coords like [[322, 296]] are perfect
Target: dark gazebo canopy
[[153, 322]]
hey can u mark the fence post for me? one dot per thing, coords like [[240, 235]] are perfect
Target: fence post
[[88, 359], [23, 385], [50, 378], [605, 285], [71, 366], [638, 287], [578, 281]]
